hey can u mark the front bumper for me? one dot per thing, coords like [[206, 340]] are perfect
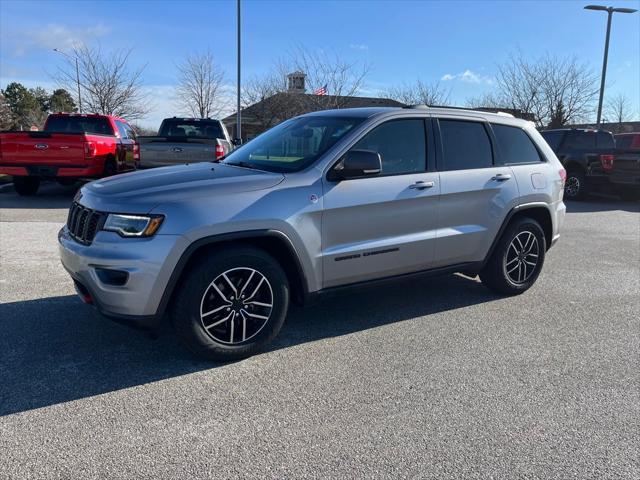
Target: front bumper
[[147, 262]]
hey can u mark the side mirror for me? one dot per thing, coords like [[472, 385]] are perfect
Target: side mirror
[[356, 164]]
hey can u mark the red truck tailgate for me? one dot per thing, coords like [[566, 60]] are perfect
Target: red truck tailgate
[[39, 148]]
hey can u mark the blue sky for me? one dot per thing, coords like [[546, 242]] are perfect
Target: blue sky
[[402, 40]]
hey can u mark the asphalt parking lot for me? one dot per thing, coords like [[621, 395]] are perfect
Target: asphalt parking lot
[[436, 378]]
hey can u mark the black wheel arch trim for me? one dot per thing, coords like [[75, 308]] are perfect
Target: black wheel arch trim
[[226, 237], [507, 220]]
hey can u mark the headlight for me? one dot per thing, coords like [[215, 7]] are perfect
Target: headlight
[[133, 225]]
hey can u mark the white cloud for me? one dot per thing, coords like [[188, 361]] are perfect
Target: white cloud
[[358, 46], [468, 77], [57, 36]]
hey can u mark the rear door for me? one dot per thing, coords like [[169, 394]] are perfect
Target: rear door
[[516, 150], [475, 192], [384, 225]]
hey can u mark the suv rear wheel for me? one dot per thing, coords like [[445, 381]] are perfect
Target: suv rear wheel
[[517, 260], [575, 187], [26, 186], [232, 304]]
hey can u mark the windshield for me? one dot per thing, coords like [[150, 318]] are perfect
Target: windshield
[[292, 145]]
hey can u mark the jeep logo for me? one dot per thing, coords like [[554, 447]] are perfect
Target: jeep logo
[[42, 146]]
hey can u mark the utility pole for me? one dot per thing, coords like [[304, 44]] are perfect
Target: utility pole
[[77, 75], [610, 11], [239, 114]]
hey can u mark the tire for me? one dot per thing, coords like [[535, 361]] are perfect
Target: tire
[[205, 300], [575, 187], [508, 271], [110, 167], [26, 186]]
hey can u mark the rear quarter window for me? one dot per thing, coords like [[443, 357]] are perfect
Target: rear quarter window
[[514, 145], [605, 140]]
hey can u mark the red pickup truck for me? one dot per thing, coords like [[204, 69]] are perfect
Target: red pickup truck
[[71, 147]]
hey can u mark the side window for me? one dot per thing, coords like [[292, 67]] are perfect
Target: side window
[[130, 132], [515, 145], [401, 145], [121, 129], [465, 145]]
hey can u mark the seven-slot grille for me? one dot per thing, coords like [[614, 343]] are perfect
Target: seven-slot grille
[[83, 223]]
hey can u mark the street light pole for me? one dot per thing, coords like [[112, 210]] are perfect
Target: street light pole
[[610, 11], [77, 75], [238, 114]]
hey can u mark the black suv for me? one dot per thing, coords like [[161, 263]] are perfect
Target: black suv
[[587, 155]]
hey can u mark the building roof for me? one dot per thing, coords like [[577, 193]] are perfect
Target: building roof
[[306, 102]]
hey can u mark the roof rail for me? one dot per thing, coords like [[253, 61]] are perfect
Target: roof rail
[[418, 105]]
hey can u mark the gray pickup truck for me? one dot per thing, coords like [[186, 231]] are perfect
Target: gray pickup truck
[[185, 140]]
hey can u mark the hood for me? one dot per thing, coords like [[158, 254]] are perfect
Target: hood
[[139, 192]]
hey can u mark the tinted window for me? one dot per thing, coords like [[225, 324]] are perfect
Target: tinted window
[[130, 132], [554, 139], [401, 145], [605, 140], [293, 145], [191, 128], [78, 124], [581, 140], [122, 130], [515, 145], [465, 145]]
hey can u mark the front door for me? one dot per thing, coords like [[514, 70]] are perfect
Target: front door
[[384, 225]]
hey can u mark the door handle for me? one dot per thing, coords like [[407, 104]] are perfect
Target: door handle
[[421, 185], [501, 177], [177, 149]]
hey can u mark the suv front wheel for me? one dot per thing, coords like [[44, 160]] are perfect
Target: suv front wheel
[[232, 304], [517, 259]]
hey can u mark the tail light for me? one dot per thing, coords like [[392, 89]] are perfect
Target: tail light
[[89, 149], [607, 161], [563, 175], [219, 152], [136, 151]]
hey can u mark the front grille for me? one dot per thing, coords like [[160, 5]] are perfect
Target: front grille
[[83, 223]]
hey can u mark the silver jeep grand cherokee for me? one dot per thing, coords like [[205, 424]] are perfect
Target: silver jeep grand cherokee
[[322, 201]]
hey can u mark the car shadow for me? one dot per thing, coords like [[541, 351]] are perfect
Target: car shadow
[[54, 350], [601, 203], [50, 195]]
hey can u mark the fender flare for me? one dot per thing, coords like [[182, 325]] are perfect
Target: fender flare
[[226, 237]]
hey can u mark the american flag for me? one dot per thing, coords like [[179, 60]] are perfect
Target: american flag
[[321, 90]]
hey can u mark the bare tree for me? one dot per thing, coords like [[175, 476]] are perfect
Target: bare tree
[[419, 93], [551, 88], [486, 100], [200, 86], [107, 83], [619, 109]]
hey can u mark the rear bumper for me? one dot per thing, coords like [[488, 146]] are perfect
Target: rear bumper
[[93, 170]]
